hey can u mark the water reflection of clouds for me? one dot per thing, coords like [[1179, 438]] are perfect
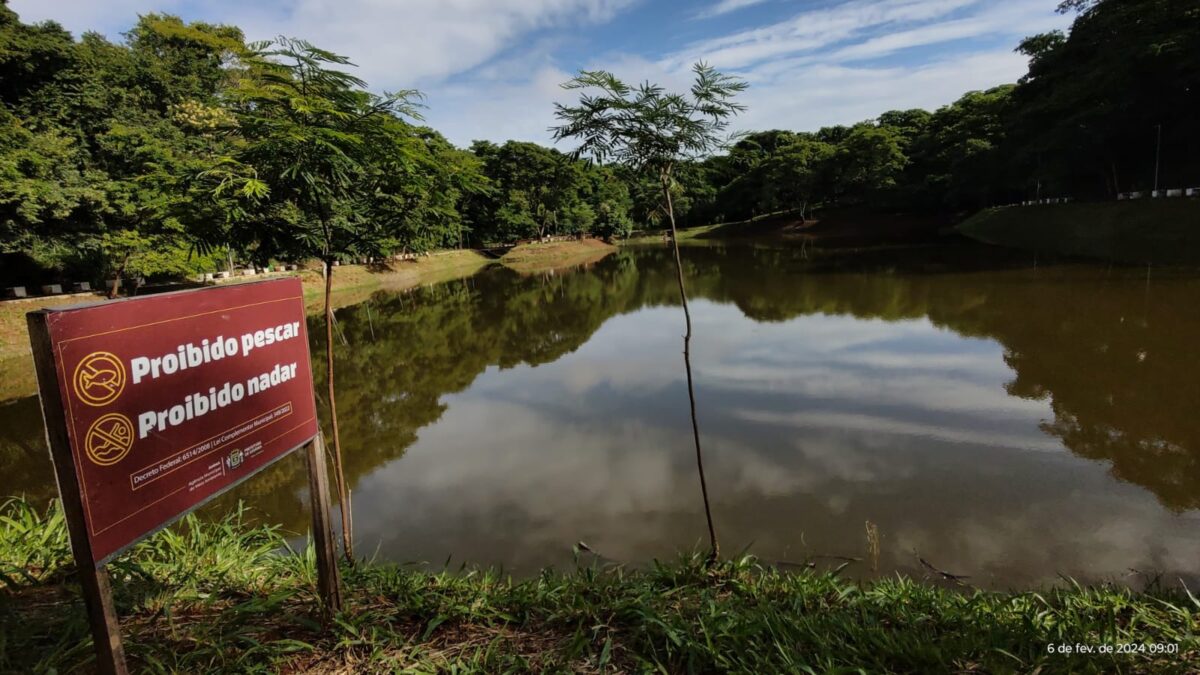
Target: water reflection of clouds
[[502, 482], [934, 391], [927, 369], [872, 424], [1088, 537], [803, 445]]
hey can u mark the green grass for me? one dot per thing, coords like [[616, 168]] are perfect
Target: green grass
[[212, 597], [1159, 231], [352, 284], [656, 236], [537, 257]]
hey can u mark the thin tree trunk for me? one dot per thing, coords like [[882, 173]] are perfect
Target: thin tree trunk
[[338, 467], [715, 553], [116, 287]]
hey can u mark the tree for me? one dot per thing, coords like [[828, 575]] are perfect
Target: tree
[[533, 191], [441, 179], [610, 200], [311, 133], [909, 124], [41, 187], [93, 155], [414, 185], [32, 59], [771, 171], [962, 154], [1088, 113], [652, 131], [867, 161]]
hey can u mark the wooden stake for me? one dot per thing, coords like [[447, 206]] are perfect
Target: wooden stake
[[97, 594], [328, 584]]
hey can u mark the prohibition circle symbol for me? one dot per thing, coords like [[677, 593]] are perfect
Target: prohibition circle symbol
[[99, 379], [109, 439]]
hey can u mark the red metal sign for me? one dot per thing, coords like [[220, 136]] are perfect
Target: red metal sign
[[174, 398]]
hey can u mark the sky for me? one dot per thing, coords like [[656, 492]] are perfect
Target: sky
[[491, 69]]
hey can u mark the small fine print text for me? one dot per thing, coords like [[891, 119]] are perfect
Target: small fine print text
[[1081, 649]]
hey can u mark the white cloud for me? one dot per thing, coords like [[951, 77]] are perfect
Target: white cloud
[[491, 67], [497, 109], [727, 6], [819, 95], [803, 71], [811, 30], [110, 17], [1015, 19], [400, 43], [395, 43], [926, 35]]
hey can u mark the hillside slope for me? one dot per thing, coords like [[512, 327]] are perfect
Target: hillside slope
[[1165, 231]]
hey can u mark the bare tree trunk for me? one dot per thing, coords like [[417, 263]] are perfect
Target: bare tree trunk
[[116, 287], [338, 466], [715, 552]]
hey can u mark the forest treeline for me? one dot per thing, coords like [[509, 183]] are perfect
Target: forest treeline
[[182, 148]]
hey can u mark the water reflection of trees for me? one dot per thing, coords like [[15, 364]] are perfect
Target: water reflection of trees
[[1115, 357], [403, 353], [1115, 362], [1118, 363], [23, 452]]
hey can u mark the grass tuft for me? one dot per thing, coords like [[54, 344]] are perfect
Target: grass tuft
[[230, 597]]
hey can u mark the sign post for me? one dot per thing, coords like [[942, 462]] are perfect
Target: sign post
[[153, 406], [328, 582]]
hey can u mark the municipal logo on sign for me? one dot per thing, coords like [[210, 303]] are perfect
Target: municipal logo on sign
[[234, 460]]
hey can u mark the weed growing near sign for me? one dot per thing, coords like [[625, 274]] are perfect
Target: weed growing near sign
[[228, 596]]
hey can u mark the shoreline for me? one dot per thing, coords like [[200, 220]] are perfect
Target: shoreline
[[352, 284], [1149, 231], [552, 257], [227, 596]]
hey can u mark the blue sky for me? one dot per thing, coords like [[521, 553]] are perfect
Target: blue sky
[[491, 68]]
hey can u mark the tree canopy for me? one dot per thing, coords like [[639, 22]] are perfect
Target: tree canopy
[[167, 151]]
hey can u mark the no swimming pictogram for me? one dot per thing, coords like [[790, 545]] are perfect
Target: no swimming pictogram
[[109, 439]]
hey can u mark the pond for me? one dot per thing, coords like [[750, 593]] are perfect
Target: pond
[[1001, 418]]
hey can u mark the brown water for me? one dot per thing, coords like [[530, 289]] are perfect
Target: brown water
[[1003, 421]]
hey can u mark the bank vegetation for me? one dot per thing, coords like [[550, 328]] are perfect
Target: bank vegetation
[[231, 596], [162, 154]]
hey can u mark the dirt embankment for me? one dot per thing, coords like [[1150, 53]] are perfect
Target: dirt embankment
[[1159, 231], [16, 360], [839, 227], [535, 258], [352, 284]]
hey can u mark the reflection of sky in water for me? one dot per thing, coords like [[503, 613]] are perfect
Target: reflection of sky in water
[[811, 427], [1060, 440]]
